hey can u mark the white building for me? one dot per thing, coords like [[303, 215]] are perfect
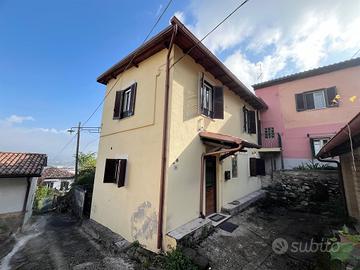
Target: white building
[[18, 178], [57, 178]]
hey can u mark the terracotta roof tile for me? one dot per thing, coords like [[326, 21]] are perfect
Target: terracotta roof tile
[[21, 164], [56, 173]]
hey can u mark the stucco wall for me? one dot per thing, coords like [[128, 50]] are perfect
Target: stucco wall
[[12, 194], [295, 126], [30, 200], [132, 210], [185, 147]]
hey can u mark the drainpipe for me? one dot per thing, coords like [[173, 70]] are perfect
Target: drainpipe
[[234, 150], [164, 142], [341, 180]]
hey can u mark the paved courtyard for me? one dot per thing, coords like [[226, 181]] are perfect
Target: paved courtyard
[[250, 245], [56, 242]]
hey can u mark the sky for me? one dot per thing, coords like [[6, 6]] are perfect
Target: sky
[[51, 53]]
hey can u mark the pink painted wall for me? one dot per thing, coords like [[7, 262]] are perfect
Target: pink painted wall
[[294, 126]]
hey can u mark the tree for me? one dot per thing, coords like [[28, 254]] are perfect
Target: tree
[[87, 166]]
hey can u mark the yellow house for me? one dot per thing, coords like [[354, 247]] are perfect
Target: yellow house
[[178, 140]]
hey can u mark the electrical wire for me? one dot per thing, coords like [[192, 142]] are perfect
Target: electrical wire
[[211, 31], [127, 66]]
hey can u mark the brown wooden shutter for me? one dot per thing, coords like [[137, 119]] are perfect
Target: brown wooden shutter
[[251, 122], [133, 99], [110, 173], [309, 101], [245, 112], [117, 105], [260, 166], [121, 172], [218, 102], [201, 91], [252, 162], [300, 104], [330, 96]]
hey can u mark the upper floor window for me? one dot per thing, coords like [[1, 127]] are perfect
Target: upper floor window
[[125, 102], [269, 133], [317, 99], [211, 100], [249, 121]]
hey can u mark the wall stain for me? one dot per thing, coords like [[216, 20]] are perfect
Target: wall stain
[[144, 222]]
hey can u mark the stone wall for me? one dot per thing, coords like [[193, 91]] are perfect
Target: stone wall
[[313, 191]]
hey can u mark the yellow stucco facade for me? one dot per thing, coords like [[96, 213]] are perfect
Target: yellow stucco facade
[[132, 211]]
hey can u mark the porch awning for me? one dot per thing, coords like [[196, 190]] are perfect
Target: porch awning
[[227, 141]]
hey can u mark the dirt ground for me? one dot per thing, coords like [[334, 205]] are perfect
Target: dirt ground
[[56, 242], [250, 246]]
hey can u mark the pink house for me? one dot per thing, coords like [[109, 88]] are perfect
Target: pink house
[[305, 110]]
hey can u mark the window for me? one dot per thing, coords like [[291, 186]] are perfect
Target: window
[[234, 166], [317, 144], [318, 99], [125, 102], [257, 166], [64, 185], [269, 133], [249, 121], [207, 99], [115, 171], [211, 100]]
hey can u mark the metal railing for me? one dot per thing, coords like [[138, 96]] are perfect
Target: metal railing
[[271, 141]]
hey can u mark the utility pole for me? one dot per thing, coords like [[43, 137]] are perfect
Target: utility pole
[[78, 129], [77, 151]]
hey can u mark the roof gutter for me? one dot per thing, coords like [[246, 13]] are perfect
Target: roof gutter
[[165, 141]]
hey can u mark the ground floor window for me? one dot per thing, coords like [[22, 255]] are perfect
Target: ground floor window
[[317, 144], [234, 166]]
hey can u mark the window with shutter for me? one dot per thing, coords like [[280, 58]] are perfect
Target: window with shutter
[[317, 99], [252, 162], [125, 102], [211, 100], [115, 171], [251, 122], [245, 112], [257, 166]]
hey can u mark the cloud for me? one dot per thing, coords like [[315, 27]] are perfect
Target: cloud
[[16, 119], [49, 141], [266, 39]]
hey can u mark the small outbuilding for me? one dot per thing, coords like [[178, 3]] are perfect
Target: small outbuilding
[[18, 179], [57, 178], [346, 145]]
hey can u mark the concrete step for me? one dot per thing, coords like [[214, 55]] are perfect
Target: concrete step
[[239, 205]]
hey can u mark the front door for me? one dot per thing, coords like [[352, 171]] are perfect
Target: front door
[[210, 178]]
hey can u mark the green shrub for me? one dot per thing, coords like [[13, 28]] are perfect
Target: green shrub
[[176, 260], [42, 192], [313, 166]]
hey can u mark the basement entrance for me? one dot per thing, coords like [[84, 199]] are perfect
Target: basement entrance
[[210, 178]]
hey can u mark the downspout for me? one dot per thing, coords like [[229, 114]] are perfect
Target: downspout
[[202, 172], [164, 143], [341, 180]]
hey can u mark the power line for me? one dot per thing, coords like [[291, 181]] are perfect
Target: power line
[[355, 53], [211, 31], [127, 66], [66, 145], [91, 142]]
